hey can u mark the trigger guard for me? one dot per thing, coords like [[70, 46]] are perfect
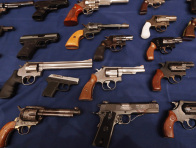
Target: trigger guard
[[89, 38], [116, 50], [64, 90], [28, 78], [109, 88], [156, 5], [190, 127], [158, 29], [175, 82]]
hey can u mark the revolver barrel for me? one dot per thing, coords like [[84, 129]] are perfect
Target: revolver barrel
[[114, 25], [17, 4], [166, 18], [124, 38], [7, 28], [119, 1]]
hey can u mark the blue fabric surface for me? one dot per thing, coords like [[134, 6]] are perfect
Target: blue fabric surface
[[145, 131]]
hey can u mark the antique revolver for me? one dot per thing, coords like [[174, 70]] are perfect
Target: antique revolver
[[161, 43], [106, 75], [88, 32], [170, 70], [29, 71], [192, 5], [111, 42], [189, 32], [31, 116], [153, 3], [111, 114], [87, 7], [5, 29], [160, 22], [184, 111]]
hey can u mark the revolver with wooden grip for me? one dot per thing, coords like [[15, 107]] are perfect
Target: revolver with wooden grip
[[87, 7], [189, 32], [173, 71], [162, 44], [31, 116], [105, 76], [192, 5], [183, 112]]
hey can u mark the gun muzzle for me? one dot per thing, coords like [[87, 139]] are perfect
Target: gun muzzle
[[114, 25], [18, 4], [178, 40], [189, 64], [7, 28], [124, 38], [172, 18]]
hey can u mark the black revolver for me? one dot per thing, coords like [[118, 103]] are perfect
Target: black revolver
[[45, 7], [33, 42], [5, 29], [54, 81], [111, 42]]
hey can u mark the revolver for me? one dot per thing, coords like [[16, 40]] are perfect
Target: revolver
[[153, 3], [192, 5], [171, 71], [31, 116], [33, 42], [160, 22], [86, 7], [111, 42], [162, 44], [45, 7], [5, 29], [111, 114], [189, 32], [184, 111], [54, 81], [105, 76], [88, 32]]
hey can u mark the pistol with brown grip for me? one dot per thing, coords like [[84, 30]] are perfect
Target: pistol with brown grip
[[189, 32], [173, 71]]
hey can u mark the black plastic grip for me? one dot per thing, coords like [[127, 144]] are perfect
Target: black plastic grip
[[99, 53], [9, 89], [40, 15], [51, 89]]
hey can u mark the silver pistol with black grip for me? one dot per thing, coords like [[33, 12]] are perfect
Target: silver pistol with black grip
[[31, 116], [54, 83], [5, 29], [33, 42], [111, 114], [29, 71]]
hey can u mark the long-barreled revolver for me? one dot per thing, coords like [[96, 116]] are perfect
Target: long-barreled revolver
[[33, 42], [88, 32], [105, 76], [189, 32], [111, 114], [162, 44], [184, 111], [5, 29], [87, 7], [173, 71], [54, 83], [31, 116], [192, 5], [153, 3], [29, 71], [4, 7], [160, 22], [45, 7], [111, 42]]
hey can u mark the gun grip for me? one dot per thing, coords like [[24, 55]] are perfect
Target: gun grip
[[87, 91], [156, 81], [150, 51], [73, 42], [50, 90], [5, 132], [144, 7], [146, 30], [189, 32], [39, 15], [99, 53], [10, 87], [27, 52], [168, 128], [72, 17]]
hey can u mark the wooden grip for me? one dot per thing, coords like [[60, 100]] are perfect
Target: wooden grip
[[150, 52], [72, 17], [144, 7], [168, 128], [73, 42], [189, 32], [87, 91], [156, 81], [5, 131]]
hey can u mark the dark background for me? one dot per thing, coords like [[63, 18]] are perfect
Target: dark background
[[145, 131]]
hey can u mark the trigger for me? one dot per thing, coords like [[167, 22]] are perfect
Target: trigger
[[108, 82], [187, 121]]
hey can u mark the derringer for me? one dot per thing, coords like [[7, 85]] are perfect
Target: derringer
[[88, 32], [160, 22], [111, 42], [173, 71], [192, 5], [54, 82], [189, 32], [86, 7], [105, 76], [184, 111], [29, 71], [33, 42], [111, 114], [5, 29], [162, 44], [45, 7], [153, 3], [5, 6], [31, 116]]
